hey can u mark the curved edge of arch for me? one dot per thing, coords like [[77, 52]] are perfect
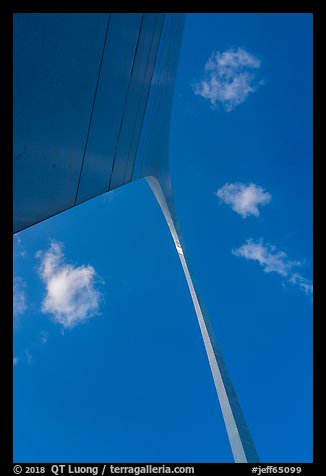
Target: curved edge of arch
[[241, 443]]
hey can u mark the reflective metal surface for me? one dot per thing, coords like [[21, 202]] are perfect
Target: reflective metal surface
[[92, 104], [242, 445], [85, 101], [56, 64]]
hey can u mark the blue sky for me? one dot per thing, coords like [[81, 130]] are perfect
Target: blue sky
[[109, 363]]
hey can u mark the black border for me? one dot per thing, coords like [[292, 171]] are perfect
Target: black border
[[96, 6]]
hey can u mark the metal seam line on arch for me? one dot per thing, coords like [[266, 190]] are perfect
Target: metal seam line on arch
[[93, 105]]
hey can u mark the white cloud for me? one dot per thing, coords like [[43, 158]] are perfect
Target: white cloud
[[19, 296], [274, 261], [302, 282], [230, 76], [19, 250], [266, 255], [244, 199], [15, 360], [71, 295]]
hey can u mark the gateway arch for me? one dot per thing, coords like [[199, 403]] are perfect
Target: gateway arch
[[92, 104]]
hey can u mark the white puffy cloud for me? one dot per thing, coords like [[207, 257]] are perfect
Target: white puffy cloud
[[71, 296], [244, 199], [229, 78], [274, 261], [19, 296]]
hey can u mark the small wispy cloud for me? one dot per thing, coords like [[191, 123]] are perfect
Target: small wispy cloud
[[15, 361], [19, 296], [19, 250], [44, 337], [28, 356], [243, 199], [267, 256], [275, 261], [71, 295], [304, 283], [230, 76]]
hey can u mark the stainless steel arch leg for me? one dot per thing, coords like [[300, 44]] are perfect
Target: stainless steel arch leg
[[242, 446]]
